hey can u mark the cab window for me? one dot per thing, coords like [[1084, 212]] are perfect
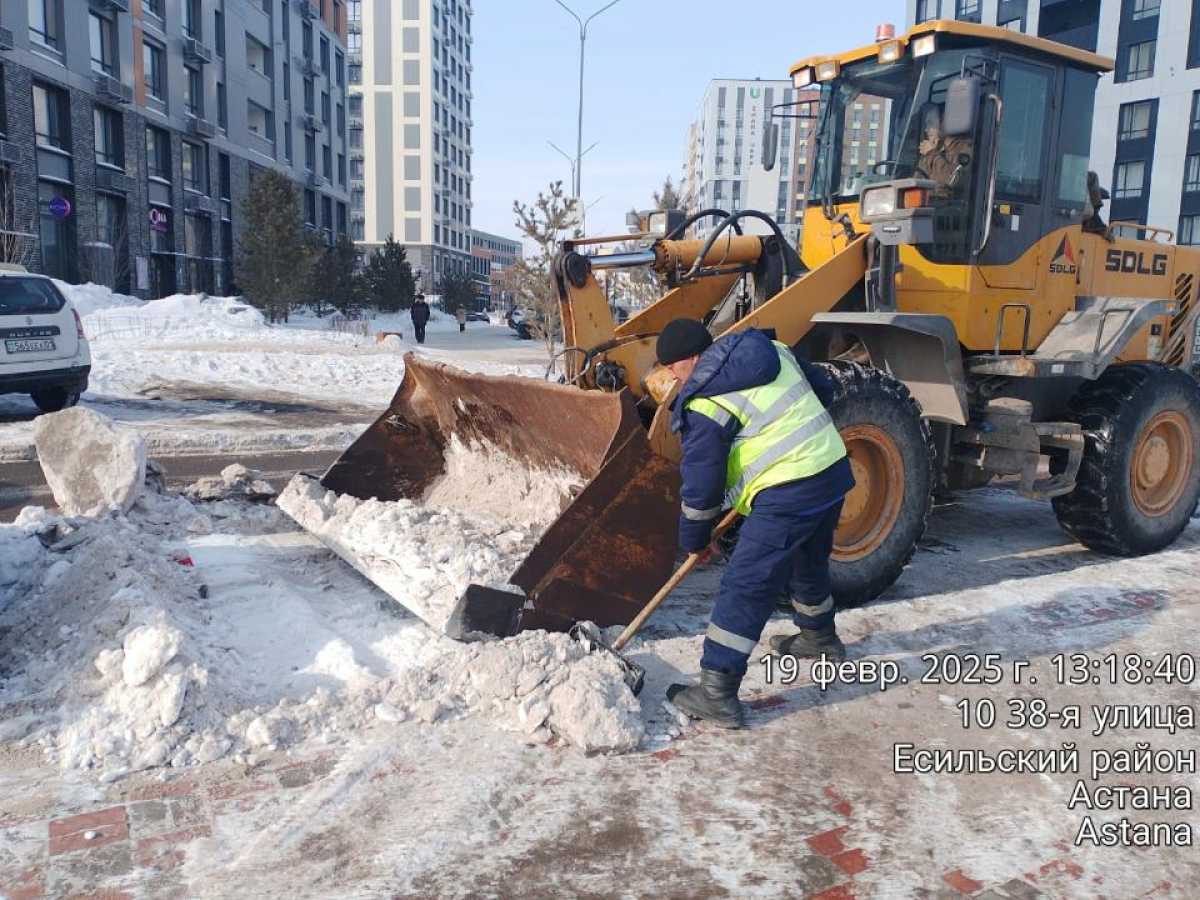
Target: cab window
[[1025, 91]]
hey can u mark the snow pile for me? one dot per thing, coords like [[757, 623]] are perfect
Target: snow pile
[[475, 525], [235, 481], [90, 298], [90, 464], [158, 639], [483, 480], [196, 317], [422, 556], [536, 683]]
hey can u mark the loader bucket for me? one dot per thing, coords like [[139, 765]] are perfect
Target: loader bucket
[[604, 555]]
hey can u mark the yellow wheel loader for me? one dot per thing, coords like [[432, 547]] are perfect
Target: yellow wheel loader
[[979, 319]]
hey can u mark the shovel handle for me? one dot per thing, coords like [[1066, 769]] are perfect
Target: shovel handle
[[673, 582]]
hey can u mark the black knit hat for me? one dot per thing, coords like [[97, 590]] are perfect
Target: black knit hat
[[680, 339]]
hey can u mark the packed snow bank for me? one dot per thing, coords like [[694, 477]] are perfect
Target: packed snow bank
[[179, 634], [91, 465], [90, 298], [475, 525], [196, 317]]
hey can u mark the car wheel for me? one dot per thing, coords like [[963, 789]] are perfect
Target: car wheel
[[53, 399]]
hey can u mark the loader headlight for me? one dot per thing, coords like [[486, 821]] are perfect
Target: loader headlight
[[803, 78], [891, 51], [878, 202], [924, 45], [828, 70]]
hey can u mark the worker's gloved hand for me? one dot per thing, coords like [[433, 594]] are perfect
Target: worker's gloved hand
[[710, 554]]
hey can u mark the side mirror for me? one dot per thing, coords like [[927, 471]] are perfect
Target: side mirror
[[962, 107], [770, 148]]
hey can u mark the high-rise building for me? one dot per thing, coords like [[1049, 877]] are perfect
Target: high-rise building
[[1146, 129], [723, 165], [492, 256], [410, 132], [130, 131]]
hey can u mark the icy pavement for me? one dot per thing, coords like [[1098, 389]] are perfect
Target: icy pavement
[[804, 803]]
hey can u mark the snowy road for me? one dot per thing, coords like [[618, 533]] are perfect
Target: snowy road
[[22, 483]]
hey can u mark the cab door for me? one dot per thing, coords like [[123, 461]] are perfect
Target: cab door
[[1012, 258]]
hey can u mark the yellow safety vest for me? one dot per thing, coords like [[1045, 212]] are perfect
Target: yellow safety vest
[[785, 435]]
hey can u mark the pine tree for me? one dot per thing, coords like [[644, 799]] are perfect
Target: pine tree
[[457, 289], [275, 255], [389, 281], [335, 280]]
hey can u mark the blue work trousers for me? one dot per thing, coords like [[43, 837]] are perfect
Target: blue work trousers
[[778, 550]]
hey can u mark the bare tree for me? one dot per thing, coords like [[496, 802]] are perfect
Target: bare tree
[[544, 223], [18, 239]]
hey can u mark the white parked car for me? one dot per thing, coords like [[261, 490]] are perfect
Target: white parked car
[[43, 351]]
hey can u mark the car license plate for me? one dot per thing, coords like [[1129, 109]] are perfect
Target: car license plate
[[29, 346]]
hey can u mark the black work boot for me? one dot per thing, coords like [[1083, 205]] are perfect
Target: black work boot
[[714, 699], [809, 644]]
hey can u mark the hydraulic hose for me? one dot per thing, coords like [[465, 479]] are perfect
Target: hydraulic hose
[[696, 217], [732, 220]]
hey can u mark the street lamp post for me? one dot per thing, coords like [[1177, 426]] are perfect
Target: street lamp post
[[583, 27], [570, 159]]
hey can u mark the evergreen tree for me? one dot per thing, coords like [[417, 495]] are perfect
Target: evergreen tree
[[275, 255], [389, 282], [457, 289]]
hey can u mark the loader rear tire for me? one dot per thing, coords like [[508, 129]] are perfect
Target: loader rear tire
[[1140, 479], [892, 455]]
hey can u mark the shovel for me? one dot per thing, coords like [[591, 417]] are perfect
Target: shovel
[[589, 635]]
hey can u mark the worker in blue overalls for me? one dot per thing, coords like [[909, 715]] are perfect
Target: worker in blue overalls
[[757, 438]]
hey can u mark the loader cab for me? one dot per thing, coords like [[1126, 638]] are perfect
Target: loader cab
[[995, 126]]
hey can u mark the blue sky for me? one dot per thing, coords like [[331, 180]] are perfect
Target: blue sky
[[648, 62]]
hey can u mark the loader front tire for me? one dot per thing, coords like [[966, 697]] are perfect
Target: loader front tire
[[892, 456], [1140, 479]]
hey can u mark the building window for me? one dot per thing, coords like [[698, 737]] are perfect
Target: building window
[[340, 68], [310, 208], [1145, 9], [325, 54], [341, 121], [967, 11], [154, 7], [310, 152], [192, 20], [1191, 176], [1129, 179], [219, 32], [57, 235], [51, 117], [103, 36], [1189, 230], [156, 71], [45, 22], [326, 117], [310, 96], [356, 138], [355, 73], [327, 163], [1196, 111], [158, 153], [342, 169], [110, 221], [1139, 61], [3, 105], [222, 106], [110, 137], [193, 92], [1135, 121], [195, 167], [306, 43]]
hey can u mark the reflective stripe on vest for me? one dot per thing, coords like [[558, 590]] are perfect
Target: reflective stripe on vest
[[785, 435]]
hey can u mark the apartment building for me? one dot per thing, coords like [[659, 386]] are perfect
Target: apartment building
[[723, 165], [1146, 131], [492, 255], [130, 131], [410, 132]]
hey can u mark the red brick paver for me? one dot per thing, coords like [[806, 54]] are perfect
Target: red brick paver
[[104, 826]]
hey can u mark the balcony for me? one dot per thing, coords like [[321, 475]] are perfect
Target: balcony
[[305, 8], [111, 90], [10, 152], [307, 67], [108, 180], [313, 180], [261, 143], [196, 52], [311, 123], [201, 127], [6, 39], [199, 204], [109, 5]]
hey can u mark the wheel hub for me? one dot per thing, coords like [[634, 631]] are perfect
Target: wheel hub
[[1162, 463], [873, 506]]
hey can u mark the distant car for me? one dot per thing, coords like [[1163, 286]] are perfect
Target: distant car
[[44, 353], [478, 317], [519, 322]]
